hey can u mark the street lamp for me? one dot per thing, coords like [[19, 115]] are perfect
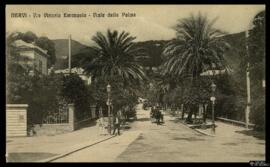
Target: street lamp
[[109, 107], [213, 98]]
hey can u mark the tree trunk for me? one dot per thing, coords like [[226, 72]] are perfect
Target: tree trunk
[[204, 112], [183, 112], [190, 113]]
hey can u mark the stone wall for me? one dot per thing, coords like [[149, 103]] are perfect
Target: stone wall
[[52, 129]]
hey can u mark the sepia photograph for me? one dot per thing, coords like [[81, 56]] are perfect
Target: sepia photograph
[[135, 83]]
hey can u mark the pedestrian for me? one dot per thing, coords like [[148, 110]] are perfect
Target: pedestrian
[[101, 126], [158, 115], [116, 124]]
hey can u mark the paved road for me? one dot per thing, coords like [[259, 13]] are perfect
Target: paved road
[[171, 142]]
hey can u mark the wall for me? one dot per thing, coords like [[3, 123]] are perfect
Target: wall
[[26, 57], [16, 120], [34, 58], [52, 129], [39, 57]]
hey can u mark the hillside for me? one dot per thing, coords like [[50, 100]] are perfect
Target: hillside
[[61, 51], [237, 50], [153, 48]]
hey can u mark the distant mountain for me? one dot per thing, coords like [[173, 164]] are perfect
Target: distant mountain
[[61, 51], [233, 55], [153, 49], [237, 50]]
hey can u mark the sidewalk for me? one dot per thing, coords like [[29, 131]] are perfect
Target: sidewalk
[[224, 130], [38, 148], [227, 130]]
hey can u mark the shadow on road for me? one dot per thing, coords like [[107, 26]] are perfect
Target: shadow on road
[[87, 124], [176, 120], [143, 119], [258, 135], [28, 156], [188, 138]]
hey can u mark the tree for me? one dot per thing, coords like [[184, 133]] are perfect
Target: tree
[[29, 37], [47, 44], [256, 45], [117, 61], [74, 90], [197, 48], [115, 55]]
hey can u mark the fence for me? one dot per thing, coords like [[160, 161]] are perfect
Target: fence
[[57, 117], [64, 120]]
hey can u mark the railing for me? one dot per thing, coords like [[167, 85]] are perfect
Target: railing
[[58, 117], [234, 122]]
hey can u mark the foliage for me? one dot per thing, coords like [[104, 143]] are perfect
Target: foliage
[[120, 96], [256, 43], [18, 83], [74, 90], [197, 48], [39, 92], [44, 94], [154, 51], [115, 55], [114, 60], [45, 90]]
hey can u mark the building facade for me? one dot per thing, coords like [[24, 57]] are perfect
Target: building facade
[[32, 56], [87, 79]]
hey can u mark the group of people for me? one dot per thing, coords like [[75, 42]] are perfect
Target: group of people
[[103, 125], [156, 114]]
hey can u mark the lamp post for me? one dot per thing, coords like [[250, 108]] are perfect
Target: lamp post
[[213, 98], [109, 107]]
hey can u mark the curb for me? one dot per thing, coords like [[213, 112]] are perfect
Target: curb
[[74, 150], [203, 132], [197, 130]]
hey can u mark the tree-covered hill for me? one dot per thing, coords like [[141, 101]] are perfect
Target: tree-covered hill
[[61, 51], [153, 49]]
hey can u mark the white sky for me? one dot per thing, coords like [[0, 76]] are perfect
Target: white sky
[[152, 22]]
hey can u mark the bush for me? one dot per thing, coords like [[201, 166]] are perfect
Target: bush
[[44, 94], [75, 91], [257, 114]]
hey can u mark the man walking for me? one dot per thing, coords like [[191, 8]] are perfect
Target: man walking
[[116, 124]]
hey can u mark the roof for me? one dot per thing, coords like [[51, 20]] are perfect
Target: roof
[[21, 44]]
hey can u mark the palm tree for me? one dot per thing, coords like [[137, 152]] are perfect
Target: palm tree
[[197, 48], [115, 56]]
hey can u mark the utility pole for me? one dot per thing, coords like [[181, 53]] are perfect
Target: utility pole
[[69, 54], [248, 83]]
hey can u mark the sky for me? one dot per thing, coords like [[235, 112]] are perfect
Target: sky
[[152, 22]]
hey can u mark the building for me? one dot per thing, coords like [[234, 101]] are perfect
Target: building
[[216, 72], [79, 71], [32, 55]]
